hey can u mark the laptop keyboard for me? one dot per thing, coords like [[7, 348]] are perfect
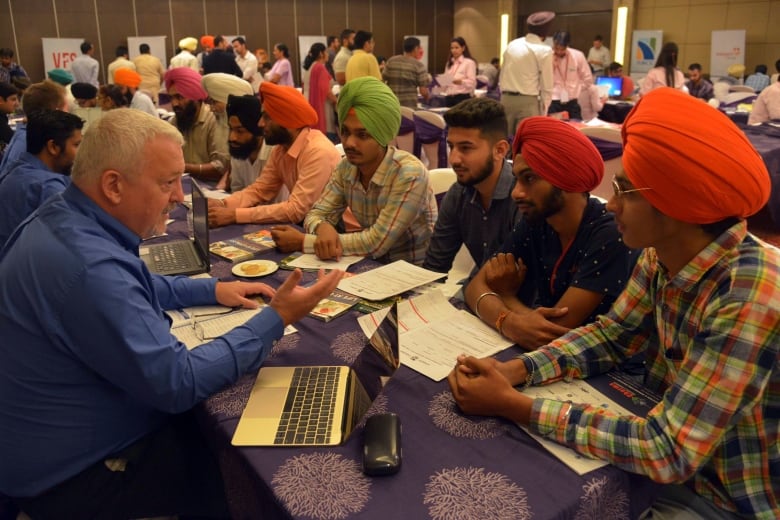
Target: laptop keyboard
[[308, 412], [173, 256]]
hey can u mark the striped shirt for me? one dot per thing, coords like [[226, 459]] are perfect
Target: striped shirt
[[712, 339], [397, 212]]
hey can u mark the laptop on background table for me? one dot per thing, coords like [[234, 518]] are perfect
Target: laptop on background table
[[615, 86], [319, 405], [185, 256]]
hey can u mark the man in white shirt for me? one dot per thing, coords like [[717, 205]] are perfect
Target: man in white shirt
[[186, 58], [526, 78], [247, 62], [343, 56], [85, 68], [571, 73], [598, 56]]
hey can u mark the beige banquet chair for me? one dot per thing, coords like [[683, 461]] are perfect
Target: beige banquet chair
[[405, 138], [430, 139]]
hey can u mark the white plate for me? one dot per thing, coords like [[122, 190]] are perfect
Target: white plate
[[254, 268]]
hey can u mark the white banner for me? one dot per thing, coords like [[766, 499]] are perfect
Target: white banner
[[727, 48], [645, 49], [59, 53], [156, 47]]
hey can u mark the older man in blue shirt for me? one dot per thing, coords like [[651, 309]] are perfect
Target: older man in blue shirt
[[43, 170], [91, 378]]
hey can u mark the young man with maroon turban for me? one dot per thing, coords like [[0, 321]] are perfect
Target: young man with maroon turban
[[302, 162], [564, 263], [703, 303], [205, 153]]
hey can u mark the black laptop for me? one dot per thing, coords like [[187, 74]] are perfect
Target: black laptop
[[185, 256]]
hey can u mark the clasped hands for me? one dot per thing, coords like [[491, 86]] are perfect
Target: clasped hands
[[485, 387], [529, 328]]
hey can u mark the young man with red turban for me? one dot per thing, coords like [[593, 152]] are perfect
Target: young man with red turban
[[702, 303], [302, 162], [564, 263], [205, 152]]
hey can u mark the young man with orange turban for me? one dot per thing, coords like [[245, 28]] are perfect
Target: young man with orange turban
[[703, 303], [564, 263], [205, 152], [129, 81], [302, 162]]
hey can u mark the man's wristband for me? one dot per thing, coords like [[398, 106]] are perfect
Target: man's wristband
[[479, 299], [500, 321]]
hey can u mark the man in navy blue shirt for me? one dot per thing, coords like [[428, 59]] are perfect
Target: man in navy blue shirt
[[93, 386], [564, 262], [478, 210], [43, 170], [38, 96]]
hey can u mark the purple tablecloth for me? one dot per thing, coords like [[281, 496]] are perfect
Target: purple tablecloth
[[766, 139], [453, 465]]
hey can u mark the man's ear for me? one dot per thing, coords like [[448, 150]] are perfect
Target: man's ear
[[52, 148], [112, 186], [501, 149]]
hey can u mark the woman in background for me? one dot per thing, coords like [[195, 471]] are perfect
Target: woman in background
[[320, 95], [281, 72], [665, 73], [462, 68]]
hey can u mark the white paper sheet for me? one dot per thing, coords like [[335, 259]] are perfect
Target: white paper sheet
[[310, 261], [388, 280], [576, 391], [433, 334]]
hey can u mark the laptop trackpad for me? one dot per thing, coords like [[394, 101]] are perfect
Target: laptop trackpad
[[267, 402]]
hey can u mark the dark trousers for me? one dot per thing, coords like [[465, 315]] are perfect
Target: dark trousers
[[451, 101], [572, 107], [168, 472]]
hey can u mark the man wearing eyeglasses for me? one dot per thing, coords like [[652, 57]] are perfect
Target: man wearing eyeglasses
[[703, 304], [564, 263], [95, 391]]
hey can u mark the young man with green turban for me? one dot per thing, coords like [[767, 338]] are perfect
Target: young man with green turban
[[385, 188]]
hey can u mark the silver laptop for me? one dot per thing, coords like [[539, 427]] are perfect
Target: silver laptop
[[318, 405], [185, 256]]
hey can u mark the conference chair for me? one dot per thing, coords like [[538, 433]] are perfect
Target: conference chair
[[430, 139], [405, 138], [610, 145]]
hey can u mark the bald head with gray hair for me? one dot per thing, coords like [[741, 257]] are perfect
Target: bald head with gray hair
[[117, 141]]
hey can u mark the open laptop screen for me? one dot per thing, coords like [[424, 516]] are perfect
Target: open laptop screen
[[200, 220], [615, 85]]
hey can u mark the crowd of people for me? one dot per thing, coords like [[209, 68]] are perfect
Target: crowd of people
[[663, 281]]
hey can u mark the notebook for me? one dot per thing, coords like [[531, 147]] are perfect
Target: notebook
[[186, 256], [615, 86], [318, 405]]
